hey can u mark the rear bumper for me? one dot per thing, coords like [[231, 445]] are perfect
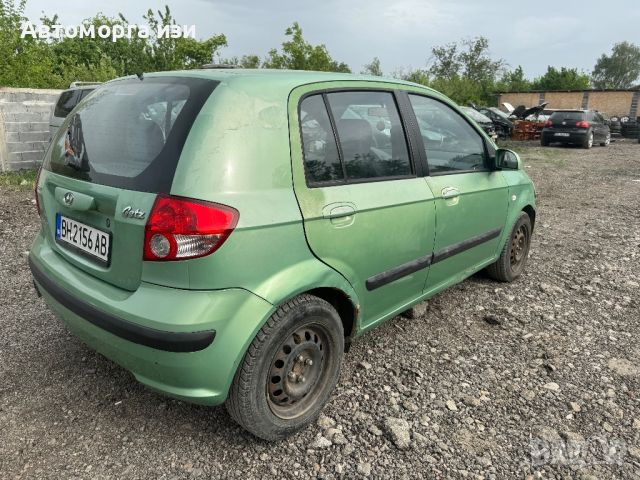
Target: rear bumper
[[150, 337], [570, 137], [164, 336]]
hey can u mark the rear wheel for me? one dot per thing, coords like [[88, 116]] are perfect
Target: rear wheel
[[588, 141], [513, 258], [289, 370]]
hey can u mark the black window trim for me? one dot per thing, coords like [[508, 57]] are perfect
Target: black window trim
[[423, 149], [346, 181]]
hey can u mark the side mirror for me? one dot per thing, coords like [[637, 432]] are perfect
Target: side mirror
[[506, 159]]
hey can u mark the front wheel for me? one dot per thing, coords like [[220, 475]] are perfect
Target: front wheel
[[289, 370], [513, 258], [607, 141]]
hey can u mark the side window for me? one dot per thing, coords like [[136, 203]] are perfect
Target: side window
[[66, 102], [321, 160], [450, 142], [371, 136]]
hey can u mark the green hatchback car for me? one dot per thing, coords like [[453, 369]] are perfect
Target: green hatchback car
[[225, 234]]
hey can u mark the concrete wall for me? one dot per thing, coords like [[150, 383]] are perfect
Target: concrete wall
[[24, 126], [608, 102], [611, 103], [564, 99], [516, 99]]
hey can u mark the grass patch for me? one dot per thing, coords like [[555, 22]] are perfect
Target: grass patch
[[24, 179], [533, 152]]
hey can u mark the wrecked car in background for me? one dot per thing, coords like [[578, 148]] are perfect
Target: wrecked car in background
[[501, 123], [485, 122]]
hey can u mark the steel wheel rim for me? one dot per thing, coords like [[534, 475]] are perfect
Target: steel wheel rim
[[519, 244], [297, 372]]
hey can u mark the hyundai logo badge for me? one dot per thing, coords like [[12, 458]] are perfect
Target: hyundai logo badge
[[68, 199]]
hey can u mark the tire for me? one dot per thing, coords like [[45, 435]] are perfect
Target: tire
[[303, 341], [511, 262], [607, 141], [588, 141], [543, 142]]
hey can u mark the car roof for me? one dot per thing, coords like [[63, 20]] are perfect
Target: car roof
[[283, 78]]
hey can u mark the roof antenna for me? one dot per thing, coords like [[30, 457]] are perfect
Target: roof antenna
[[140, 75]]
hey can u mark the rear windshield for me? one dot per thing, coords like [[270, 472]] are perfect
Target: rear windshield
[[130, 133], [560, 116]]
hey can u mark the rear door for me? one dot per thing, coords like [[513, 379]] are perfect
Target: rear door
[[366, 212], [471, 200], [110, 159]]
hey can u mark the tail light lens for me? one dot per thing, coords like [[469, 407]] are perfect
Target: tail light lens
[[582, 124], [181, 228], [548, 123]]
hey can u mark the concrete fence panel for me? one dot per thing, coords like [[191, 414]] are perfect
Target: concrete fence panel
[[24, 126]]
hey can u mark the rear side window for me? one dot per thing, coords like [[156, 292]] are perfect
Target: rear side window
[[369, 132], [66, 102], [130, 133]]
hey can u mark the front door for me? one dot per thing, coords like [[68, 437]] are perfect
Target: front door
[[366, 212], [471, 200]]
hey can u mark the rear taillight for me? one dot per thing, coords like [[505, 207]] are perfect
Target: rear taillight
[[36, 191], [548, 123], [181, 228], [582, 124]]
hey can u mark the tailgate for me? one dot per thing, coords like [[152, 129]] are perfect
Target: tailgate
[[113, 154]]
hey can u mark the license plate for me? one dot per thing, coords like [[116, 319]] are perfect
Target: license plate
[[561, 134], [83, 238]]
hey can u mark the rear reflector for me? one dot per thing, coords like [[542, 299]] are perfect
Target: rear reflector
[[181, 228], [37, 190]]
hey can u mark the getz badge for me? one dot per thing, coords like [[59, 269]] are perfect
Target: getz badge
[[129, 212]]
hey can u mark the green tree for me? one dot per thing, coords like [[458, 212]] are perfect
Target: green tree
[[445, 61], [246, 61], [462, 70], [168, 53], [373, 68], [562, 79], [514, 81], [477, 64], [298, 54], [621, 69], [24, 62]]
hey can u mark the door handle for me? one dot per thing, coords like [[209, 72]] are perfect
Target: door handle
[[339, 212], [450, 192]]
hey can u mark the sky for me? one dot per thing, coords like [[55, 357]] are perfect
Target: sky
[[535, 34]]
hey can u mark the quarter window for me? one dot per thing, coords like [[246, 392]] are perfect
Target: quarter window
[[321, 159], [451, 143]]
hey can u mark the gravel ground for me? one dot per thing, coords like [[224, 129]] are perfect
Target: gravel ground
[[536, 379]]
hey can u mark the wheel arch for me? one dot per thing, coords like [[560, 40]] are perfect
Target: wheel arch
[[529, 210]]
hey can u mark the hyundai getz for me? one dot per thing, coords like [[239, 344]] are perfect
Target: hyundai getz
[[224, 235]]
